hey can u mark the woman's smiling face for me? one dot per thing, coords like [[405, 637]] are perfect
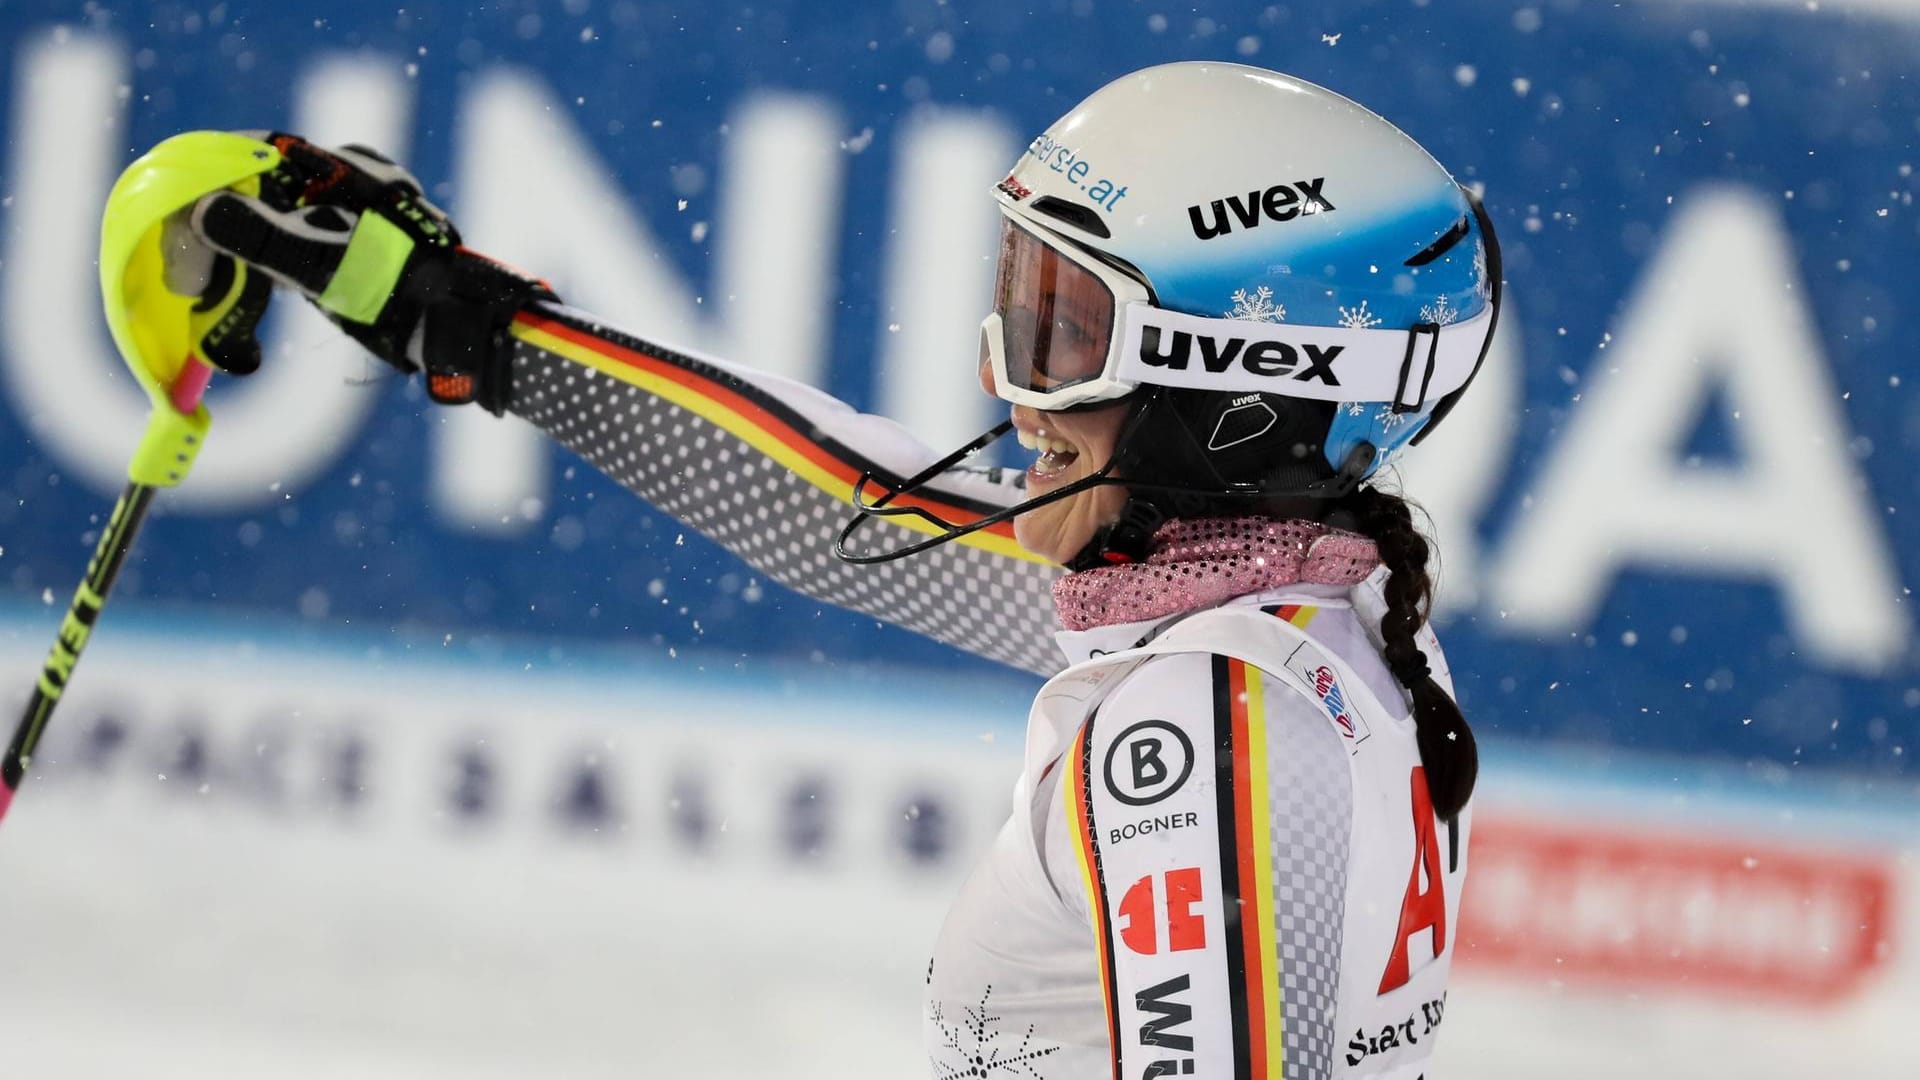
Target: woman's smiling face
[[1072, 446]]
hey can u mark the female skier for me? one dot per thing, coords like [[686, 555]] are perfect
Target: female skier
[[1224, 298]]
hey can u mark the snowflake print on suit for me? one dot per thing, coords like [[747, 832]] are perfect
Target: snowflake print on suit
[[973, 1042], [1256, 306]]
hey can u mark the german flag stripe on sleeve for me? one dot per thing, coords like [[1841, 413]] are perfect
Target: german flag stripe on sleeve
[[1079, 809], [757, 418], [1171, 814], [1297, 614], [1246, 859]]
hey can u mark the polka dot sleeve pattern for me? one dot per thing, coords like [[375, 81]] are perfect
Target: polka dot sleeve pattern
[[765, 467]]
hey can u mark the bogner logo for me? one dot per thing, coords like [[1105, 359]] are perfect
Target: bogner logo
[[1281, 202], [1148, 762], [1272, 358]]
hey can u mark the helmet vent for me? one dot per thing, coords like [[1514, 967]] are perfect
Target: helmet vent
[[1439, 247], [1073, 214]]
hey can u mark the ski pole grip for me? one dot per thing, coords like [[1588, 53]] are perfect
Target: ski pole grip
[[150, 324], [170, 443]]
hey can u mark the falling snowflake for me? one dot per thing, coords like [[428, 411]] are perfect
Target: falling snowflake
[[1257, 306], [1440, 312], [972, 1040], [1358, 318]]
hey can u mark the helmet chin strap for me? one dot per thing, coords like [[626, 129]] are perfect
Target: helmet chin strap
[[864, 511], [1125, 540], [883, 508], [1129, 537]]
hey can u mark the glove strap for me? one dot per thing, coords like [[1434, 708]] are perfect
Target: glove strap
[[465, 350], [369, 269]]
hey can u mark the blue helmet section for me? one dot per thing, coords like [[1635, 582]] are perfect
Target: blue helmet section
[[1360, 279], [1360, 273]]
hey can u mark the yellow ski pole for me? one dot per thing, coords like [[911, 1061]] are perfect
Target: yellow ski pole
[[156, 332]]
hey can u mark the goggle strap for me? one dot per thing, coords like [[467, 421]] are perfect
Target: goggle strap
[[1490, 242], [1402, 401], [1319, 363]]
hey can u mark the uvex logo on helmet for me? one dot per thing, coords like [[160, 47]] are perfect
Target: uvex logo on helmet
[[1281, 202], [1273, 358]]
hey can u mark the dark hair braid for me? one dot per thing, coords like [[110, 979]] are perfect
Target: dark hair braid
[[1446, 743]]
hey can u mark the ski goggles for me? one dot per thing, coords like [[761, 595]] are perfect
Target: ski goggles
[[1069, 330]]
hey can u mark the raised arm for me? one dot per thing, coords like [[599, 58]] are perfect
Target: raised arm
[[762, 465]]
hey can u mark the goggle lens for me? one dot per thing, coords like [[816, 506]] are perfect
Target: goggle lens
[[1056, 317]]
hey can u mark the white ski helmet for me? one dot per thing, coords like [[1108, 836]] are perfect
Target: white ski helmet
[[1286, 287]]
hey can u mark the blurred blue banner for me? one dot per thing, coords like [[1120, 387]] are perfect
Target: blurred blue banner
[[1677, 513]]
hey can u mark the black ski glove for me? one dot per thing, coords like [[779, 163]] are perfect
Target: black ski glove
[[355, 234], [232, 297]]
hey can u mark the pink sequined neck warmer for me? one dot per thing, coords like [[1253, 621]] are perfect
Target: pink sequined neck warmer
[[1200, 563]]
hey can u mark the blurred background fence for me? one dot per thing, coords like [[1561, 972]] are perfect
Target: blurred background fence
[[414, 748]]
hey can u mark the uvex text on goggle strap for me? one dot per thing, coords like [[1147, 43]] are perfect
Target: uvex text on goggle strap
[[1070, 331]]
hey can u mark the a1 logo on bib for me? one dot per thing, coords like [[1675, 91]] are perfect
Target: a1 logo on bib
[[1148, 762]]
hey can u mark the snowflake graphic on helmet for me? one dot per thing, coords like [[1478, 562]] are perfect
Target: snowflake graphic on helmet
[[1482, 284], [1257, 306], [1358, 318], [1440, 312]]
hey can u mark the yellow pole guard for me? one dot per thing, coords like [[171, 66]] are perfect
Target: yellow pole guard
[[150, 324]]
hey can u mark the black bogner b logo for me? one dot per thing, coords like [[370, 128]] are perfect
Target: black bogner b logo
[[1281, 202], [1148, 762], [1275, 359]]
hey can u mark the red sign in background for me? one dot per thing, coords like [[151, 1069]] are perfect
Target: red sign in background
[[1678, 913]]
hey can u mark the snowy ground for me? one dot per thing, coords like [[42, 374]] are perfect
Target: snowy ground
[[758, 899]]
